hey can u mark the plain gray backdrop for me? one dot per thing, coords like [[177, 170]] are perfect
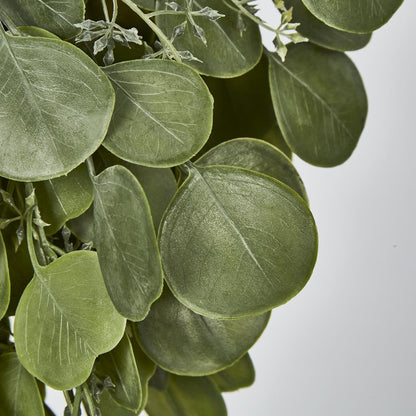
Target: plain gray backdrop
[[346, 345]]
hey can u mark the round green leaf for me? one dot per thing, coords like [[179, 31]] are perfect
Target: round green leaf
[[196, 396], [321, 34], [359, 16], [320, 103], [233, 41], [55, 108], [65, 319], [19, 394], [4, 279], [239, 375], [163, 113], [255, 155], [183, 342], [64, 198], [126, 244], [236, 243], [58, 17]]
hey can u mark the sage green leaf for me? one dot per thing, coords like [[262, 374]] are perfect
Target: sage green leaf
[[236, 243], [243, 108], [359, 16], [146, 4], [126, 244], [65, 319], [64, 198], [83, 226], [320, 103], [255, 155], [4, 279], [19, 394], [239, 375], [55, 108], [163, 113], [231, 50], [57, 17], [196, 396], [36, 32], [185, 343], [321, 34], [120, 365]]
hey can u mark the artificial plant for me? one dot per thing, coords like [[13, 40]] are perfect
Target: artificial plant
[[150, 215]]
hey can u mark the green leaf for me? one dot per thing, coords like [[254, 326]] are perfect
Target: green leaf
[[317, 124], [56, 16], [163, 113], [361, 16], [64, 198], [146, 4], [4, 279], [240, 375], [258, 156], [321, 34], [55, 107], [236, 243], [36, 32], [196, 396], [185, 343], [243, 108], [229, 53], [109, 407], [120, 365], [19, 394], [65, 319], [126, 244], [83, 226]]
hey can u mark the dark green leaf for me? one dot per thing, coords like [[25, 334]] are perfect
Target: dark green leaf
[[4, 279], [320, 103], [83, 226], [126, 242]]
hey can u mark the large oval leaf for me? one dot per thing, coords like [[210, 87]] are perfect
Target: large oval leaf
[[65, 319], [58, 17], [64, 198], [236, 243], [126, 242], [255, 155], [321, 34], [320, 103], [196, 396], [360, 16], [163, 113], [4, 279], [19, 394], [183, 342], [55, 108], [233, 42]]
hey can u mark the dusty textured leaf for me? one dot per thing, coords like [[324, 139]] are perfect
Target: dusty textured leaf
[[320, 103], [4, 279], [163, 113], [126, 242], [183, 342], [54, 110], [83, 226], [236, 243]]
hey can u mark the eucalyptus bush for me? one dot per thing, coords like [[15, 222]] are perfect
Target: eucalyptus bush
[[151, 217]]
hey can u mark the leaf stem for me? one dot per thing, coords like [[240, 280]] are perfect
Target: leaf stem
[[88, 398], [91, 167], [115, 12], [68, 400], [251, 16], [77, 402], [162, 37], [105, 10]]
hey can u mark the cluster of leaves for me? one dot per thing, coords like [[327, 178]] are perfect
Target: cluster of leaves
[[141, 249]]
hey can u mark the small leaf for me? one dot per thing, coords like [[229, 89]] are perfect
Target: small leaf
[[4, 279]]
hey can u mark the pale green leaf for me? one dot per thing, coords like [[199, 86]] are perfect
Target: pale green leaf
[[64, 198], [236, 243], [183, 342], [229, 52], [58, 17], [126, 242], [359, 16], [163, 113], [196, 396], [255, 155], [36, 32], [65, 319], [109, 407], [320, 103], [55, 107], [19, 394], [4, 279], [321, 34]]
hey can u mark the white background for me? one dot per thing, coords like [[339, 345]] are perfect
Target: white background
[[346, 345]]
